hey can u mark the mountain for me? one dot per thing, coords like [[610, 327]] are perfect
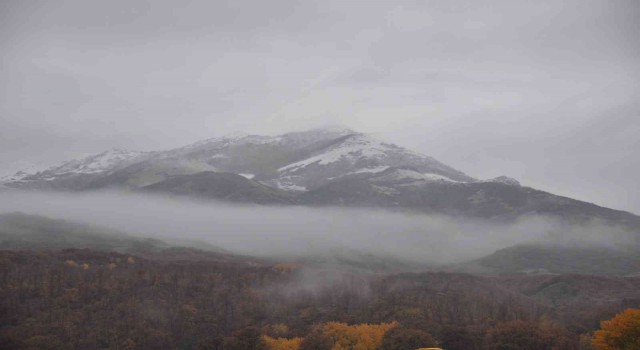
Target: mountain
[[22, 231], [295, 161], [332, 166], [496, 199], [557, 259], [222, 186], [73, 174]]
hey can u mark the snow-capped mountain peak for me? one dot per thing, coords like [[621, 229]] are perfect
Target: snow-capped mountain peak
[[360, 154], [296, 161]]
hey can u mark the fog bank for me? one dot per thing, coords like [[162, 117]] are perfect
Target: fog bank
[[304, 231]]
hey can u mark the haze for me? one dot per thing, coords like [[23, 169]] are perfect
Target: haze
[[542, 91], [306, 232]]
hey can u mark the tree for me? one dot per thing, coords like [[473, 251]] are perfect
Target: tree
[[523, 335], [246, 339], [282, 343], [620, 332], [357, 337], [316, 340], [402, 339], [458, 338], [586, 341]]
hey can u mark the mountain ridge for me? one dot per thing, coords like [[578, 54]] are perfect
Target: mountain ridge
[[333, 166], [311, 146]]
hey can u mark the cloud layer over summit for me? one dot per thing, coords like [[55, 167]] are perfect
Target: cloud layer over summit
[[543, 91]]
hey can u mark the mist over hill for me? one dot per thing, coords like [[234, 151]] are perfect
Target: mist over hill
[[307, 232]]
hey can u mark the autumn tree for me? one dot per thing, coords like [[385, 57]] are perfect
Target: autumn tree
[[357, 337], [316, 340], [620, 332], [282, 343]]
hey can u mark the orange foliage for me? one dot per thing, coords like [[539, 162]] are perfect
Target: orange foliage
[[620, 332], [357, 337], [282, 343]]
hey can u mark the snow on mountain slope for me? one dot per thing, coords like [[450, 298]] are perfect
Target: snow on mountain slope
[[352, 149], [95, 164], [505, 180], [372, 170], [289, 140], [318, 167], [19, 171], [408, 176], [295, 161], [357, 154], [255, 154]]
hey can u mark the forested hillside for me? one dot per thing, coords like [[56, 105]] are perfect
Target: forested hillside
[[86, 299]]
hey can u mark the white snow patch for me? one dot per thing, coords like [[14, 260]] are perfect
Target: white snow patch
[[290, 187], [225, 139], [356, 147], [407, 174], [88, 165], [262, 140], [288, 183], [233, 139], [505, 180], [248, 176], [372, 170], [97, 163]]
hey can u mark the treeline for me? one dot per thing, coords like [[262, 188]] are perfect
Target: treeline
[[83, 299]]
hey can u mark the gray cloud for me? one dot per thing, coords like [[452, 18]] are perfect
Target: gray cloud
[[543, 91]]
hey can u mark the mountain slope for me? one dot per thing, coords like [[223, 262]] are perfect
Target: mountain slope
[[221, 186], [293, 161], [22, 231], [428, 193], [315, 167], [358, 154], [558, 259], [76, 174]]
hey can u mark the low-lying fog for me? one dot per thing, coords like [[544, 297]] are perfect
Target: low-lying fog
[[303, 231]]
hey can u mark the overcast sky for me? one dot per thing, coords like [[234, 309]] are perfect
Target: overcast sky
[[547, 92]]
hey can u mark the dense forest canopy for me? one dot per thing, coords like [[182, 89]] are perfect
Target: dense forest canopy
[[80, 299]]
